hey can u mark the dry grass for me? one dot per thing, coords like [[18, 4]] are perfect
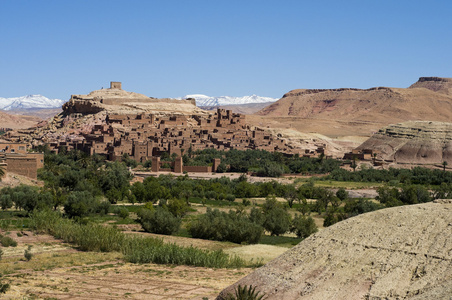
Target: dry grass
[[112, 280], [60, 259], [259, 252]]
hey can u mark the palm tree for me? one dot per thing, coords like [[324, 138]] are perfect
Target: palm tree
[[2, 171], [354, 164]]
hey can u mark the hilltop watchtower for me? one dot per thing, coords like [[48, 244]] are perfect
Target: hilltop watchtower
[[115, 85]]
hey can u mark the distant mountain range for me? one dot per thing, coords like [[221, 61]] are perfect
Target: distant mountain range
[[204, 101], [29, 102]]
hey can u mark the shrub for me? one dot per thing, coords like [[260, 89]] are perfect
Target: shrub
[[245, 293], [102, 207], [303, 226], [246, 202], [230, 197], [178, 207], [28, 255], [159, 221], [150, 206], [332, 218], [123, 213], [271, 169], [4, 287], [222, 168], [210, 195], [79, 204], [342, 194], [6, 241], [359, 206]]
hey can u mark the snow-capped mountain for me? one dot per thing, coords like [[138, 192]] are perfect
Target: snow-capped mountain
[[29, 102], [203, 100]]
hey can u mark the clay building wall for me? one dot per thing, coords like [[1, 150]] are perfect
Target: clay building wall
[[13, 148], [198, 169], [22, 165], [39, 158]]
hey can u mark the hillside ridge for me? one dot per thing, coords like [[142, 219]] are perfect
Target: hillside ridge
[[336, 112]]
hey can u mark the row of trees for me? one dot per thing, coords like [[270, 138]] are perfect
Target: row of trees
[[153, 189], [236, 226], [417, 175], [264, 163]]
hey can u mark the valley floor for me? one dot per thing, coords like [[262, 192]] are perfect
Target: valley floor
[[57, 271]]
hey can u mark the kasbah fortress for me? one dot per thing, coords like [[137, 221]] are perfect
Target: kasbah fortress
[[133, 125]]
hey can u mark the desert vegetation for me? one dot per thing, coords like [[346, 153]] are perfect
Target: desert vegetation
[[88, 203]]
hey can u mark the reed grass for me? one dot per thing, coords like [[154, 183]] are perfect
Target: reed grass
[[98, 238]]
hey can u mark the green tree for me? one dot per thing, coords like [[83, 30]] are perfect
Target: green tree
[[291, 195], [354, 163], [178, 207], [342, 194], [159, 221], [222, 168], [414, 194], [234, 226], [303, 226], [304, 207], [80, 204], [277, 221], [6, 201], [388, 196]]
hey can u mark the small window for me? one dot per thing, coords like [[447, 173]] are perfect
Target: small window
[[12, 151]]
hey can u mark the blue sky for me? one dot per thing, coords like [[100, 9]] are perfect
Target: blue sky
[[173, 48]]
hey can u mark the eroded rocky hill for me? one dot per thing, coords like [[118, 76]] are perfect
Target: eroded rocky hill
[[413, 142], [395, 253], [347, 111]]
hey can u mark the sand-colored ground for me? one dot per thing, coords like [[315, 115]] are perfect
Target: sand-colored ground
[[13, 180], [57, 271]]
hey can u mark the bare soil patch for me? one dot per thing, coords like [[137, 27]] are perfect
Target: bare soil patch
[[116, 280], [58, 271]]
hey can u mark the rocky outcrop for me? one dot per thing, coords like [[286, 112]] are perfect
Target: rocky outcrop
[[114, 99], [437, 84], [418, 142], [395, 253]]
